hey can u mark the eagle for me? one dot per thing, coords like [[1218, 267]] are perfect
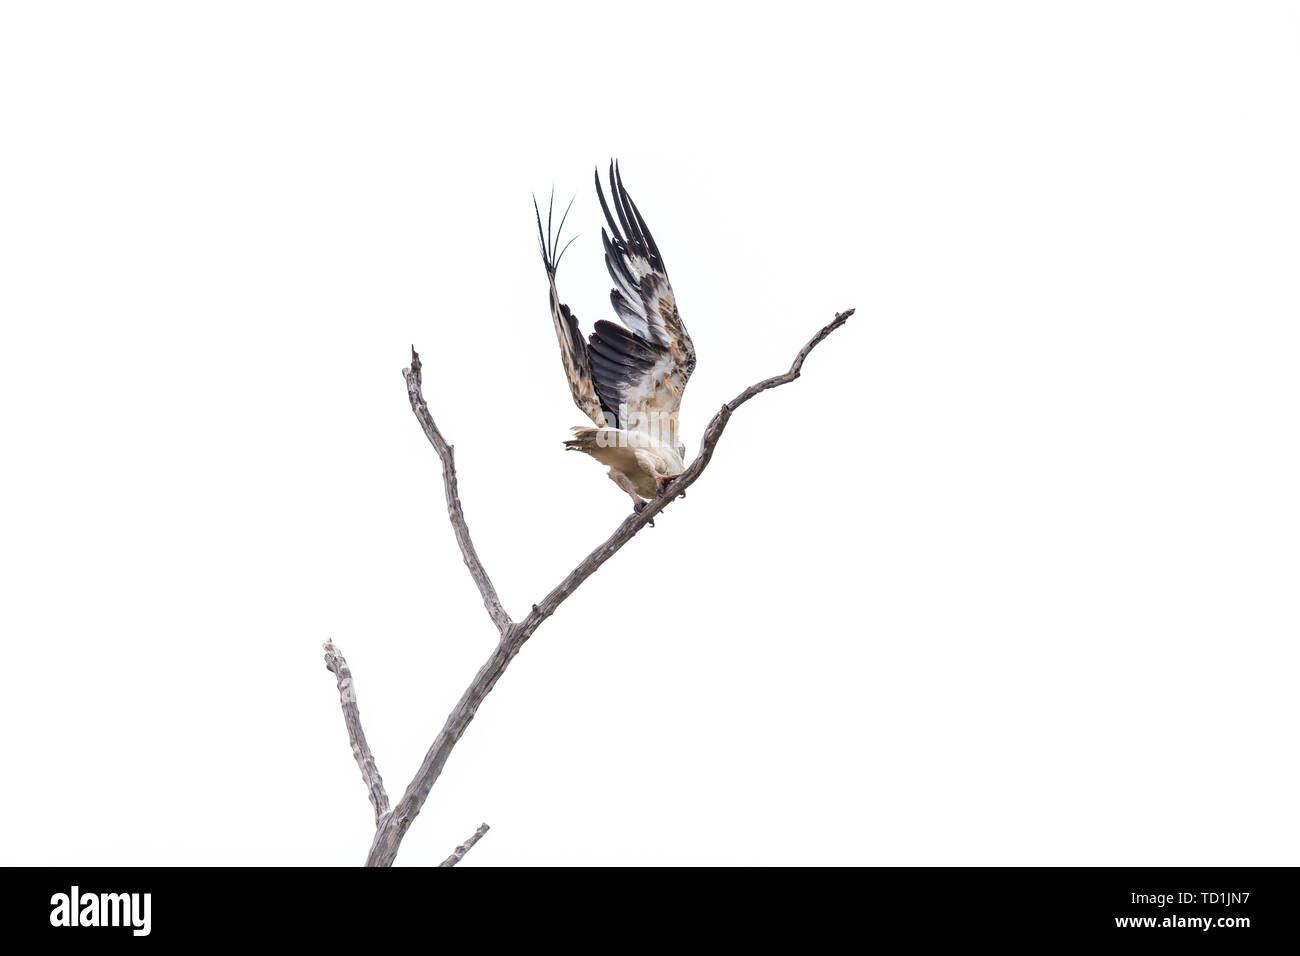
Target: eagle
[[629, 378]]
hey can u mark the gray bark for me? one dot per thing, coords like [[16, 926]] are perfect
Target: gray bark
[[458, 854], [335, 662]]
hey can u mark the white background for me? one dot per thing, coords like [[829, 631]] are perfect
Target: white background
[[1009, 576]]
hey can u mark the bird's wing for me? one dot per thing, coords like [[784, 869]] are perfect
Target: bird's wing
[[573, 350], [639, 371]]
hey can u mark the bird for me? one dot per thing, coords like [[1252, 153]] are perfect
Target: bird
[[627, 378]]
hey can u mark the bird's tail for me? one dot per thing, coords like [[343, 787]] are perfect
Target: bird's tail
[[584, 440]]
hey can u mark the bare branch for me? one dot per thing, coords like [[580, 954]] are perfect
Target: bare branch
[[445, 451], [796, 367], [392, 827], [458, 854], [335, 662]]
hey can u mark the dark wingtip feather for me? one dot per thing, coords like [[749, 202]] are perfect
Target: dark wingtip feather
[[541, 237], [647, 239], [633, 234], [547, 240], [621, 197], [559, 231], [564, 250], [616, 190], [604, 207], [550, 208]]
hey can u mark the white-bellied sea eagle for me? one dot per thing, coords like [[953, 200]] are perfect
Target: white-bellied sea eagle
[[628, 379]]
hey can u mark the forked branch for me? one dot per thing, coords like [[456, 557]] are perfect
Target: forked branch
[[391, 826]]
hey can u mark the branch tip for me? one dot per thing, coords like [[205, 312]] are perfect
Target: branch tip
[[458, 854], [336, 664]]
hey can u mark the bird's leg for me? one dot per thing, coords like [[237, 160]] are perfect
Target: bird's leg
[[625, 483], [661, 485]]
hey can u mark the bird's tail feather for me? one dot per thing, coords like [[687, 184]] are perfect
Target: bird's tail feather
[[584, 440]]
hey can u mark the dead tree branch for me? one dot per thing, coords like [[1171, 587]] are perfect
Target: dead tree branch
[[338, 665], [458, 854], [448, 455], [391, 827]]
